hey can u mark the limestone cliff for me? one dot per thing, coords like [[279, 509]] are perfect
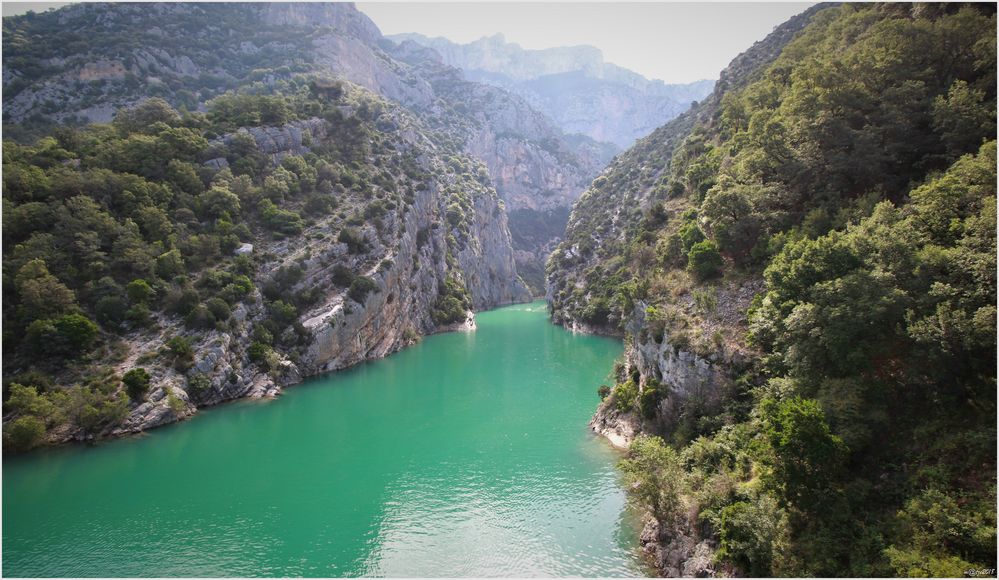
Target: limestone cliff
[[537, 169]]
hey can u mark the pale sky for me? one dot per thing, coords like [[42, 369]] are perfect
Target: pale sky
[[675, 42], [672, 41]]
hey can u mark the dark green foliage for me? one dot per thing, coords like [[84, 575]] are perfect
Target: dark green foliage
[[625, 395], [855, 174], [452, 303], [136, 383], [181, 351], [198, 385], [804, 457], [654, 474], [219, 309], [704, 261], [259, 353], [139, 291], [360, 287], [747, 535], [69, 335], [342, 276], [283, 313], [23, 433], [603, 392], [648, 401], [280, 221], [354, 240], [231, 111]]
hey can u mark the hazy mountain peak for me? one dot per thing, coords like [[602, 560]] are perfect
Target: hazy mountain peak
[[572, 84]]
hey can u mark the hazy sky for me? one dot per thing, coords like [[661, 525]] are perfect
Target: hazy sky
[[15, 8], [675, 42]]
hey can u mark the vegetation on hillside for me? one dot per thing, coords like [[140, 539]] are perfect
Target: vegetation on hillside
[[857, 177], [125, 228]]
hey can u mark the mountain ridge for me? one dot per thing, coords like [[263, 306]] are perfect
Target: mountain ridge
[[573, 85]]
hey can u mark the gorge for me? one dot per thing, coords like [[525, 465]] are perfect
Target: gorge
[[774, 293]]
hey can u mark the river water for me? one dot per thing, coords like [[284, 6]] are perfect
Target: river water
[[466, 455]]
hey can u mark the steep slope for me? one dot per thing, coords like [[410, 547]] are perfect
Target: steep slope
[[537, 171], [92, 59], [779, 262], [167, 262], [572, 85]]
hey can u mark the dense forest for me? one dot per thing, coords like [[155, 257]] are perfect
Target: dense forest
[[850, 186], [133, 227]]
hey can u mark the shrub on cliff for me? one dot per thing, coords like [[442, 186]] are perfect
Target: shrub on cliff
[[603, 392], [136, 383], [655, 475], [360, 288], [704, 261]]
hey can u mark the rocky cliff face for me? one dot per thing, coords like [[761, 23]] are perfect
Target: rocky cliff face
[[537, 170], [534, 166], [408, 255], [572, 85]]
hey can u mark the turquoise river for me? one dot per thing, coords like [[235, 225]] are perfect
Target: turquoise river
[[465, 455]]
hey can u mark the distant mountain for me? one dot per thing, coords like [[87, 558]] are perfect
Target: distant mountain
[[572, 85]]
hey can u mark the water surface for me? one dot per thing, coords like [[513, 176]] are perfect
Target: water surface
[[466, 455]]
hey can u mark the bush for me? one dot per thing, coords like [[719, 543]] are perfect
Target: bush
[[604, 391], [283, 222], [23, 433], [283, 313], [624, 395], [198, 385], [704, 261], [258, 353], [342, 276], [136, 383], [139, 291], [354, 240], [648, 401], [654, 474], [747, 534], [67, 335], [219, 309], [360, 288], [181, 351]]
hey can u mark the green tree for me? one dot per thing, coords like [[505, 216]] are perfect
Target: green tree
[[136, 383], [704, 261], [654, 474], [139, 291], [23, 433], [41, 294], [804, 458]]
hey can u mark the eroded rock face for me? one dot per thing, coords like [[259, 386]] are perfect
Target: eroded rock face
[[618, 427], [677, 550], [406, 259]]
